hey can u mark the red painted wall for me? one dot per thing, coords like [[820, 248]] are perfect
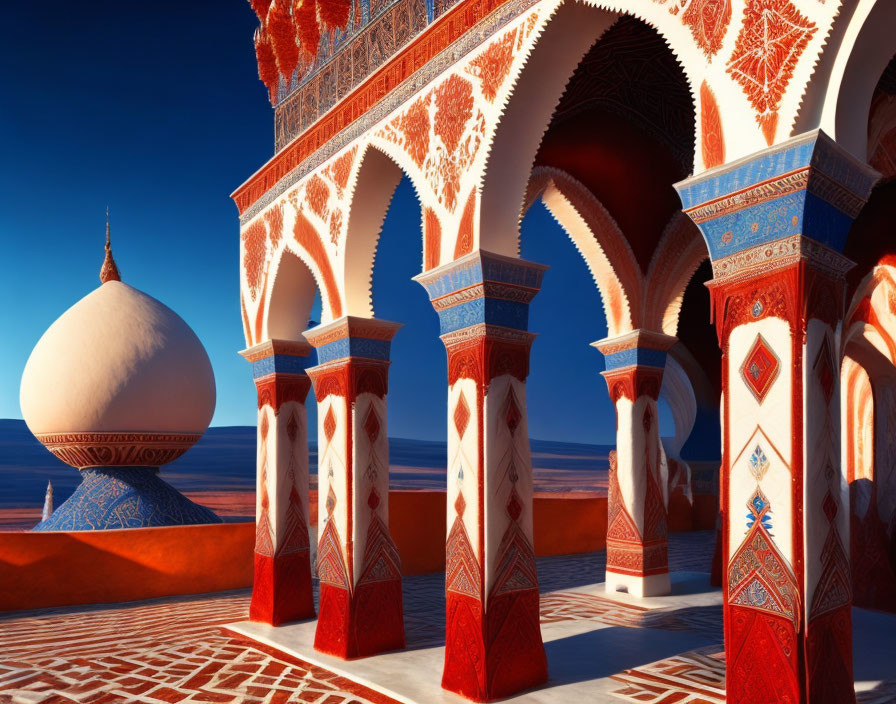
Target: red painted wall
[[39, 570]]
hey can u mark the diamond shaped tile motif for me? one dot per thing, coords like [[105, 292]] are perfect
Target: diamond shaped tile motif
[[512, 414], [760, 368], [759, 511], [460, 505], [292, 427], [329, 424], [514, 505], [461, 416], [829, 506], [824, 370], [372, 425], [758, 464]]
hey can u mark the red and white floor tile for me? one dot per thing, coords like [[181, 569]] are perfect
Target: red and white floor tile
[[175, 650]]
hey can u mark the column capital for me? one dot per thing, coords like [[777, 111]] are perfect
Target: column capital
[[638, 348], [483, 288], [350, 336], [794, 200], [278, 357]]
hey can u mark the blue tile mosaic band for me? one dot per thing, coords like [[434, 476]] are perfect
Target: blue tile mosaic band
[[492, 311], [282, 364], [806, 187], [354, 347], [483, 288], [636, 356], [125, 497], [480, 269], [743, 174]]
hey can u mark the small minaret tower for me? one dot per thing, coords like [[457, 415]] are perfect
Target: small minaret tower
[[109, 271], [48, 502]]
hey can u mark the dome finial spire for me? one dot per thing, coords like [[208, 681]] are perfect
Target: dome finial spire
[[108, 272]]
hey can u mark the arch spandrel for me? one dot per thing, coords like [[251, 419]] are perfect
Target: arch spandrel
[[450, 137]]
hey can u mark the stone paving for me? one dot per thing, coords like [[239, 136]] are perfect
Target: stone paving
[[174, 650]]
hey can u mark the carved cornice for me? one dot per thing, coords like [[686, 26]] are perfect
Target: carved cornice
[[84, 450], [751, 196], [779, 254], [270, 348], [476, 333], [636, 339], [352, 327], [455, 34]]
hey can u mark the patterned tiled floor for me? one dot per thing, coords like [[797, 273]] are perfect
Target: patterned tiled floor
[[174, 650], [164, 651]]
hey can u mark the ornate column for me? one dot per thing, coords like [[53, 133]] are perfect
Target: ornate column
[[281, 589], [774, 225], [358, 565], [493, 645], [637, 554]]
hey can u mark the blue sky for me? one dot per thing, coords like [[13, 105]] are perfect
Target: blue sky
[[156, 110]]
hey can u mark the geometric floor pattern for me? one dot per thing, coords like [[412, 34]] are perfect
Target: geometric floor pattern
[[164, 651], [697, 677], [174, 650]]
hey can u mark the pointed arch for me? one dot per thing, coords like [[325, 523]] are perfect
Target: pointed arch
[[290, 301], [372, 186], [526, 116], [677, 257], [599, 240], [838, 97]]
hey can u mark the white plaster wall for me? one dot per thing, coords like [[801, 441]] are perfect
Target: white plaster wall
[[331, 455], [821, 453], [290, 465], [770, 424], [368, 459], [631, 453], [464, 453], [501, 449]]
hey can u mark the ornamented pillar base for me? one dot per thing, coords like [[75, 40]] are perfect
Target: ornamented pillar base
[[653, 585], [509, 660], [280, 592]]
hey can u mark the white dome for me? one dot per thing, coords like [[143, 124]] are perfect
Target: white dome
[[118, 361]]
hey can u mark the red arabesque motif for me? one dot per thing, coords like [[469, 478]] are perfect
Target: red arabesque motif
[[493, 65], [773, 36], [708, 21], [712, 141]]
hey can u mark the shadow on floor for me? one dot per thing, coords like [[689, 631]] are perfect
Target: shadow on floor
[[607, 651]]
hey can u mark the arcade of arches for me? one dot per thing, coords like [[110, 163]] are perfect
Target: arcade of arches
[[732, 158]]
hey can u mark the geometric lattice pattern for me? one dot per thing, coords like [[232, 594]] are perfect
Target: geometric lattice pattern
[[697, 677], [163, 651]]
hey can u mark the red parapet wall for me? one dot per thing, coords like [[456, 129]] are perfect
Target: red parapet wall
[[39, 570]]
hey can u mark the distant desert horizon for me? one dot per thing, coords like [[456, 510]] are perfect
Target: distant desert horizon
[[219, 472]]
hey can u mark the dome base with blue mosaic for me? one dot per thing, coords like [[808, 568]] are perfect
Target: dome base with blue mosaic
[[125, 497], [118, 386]]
